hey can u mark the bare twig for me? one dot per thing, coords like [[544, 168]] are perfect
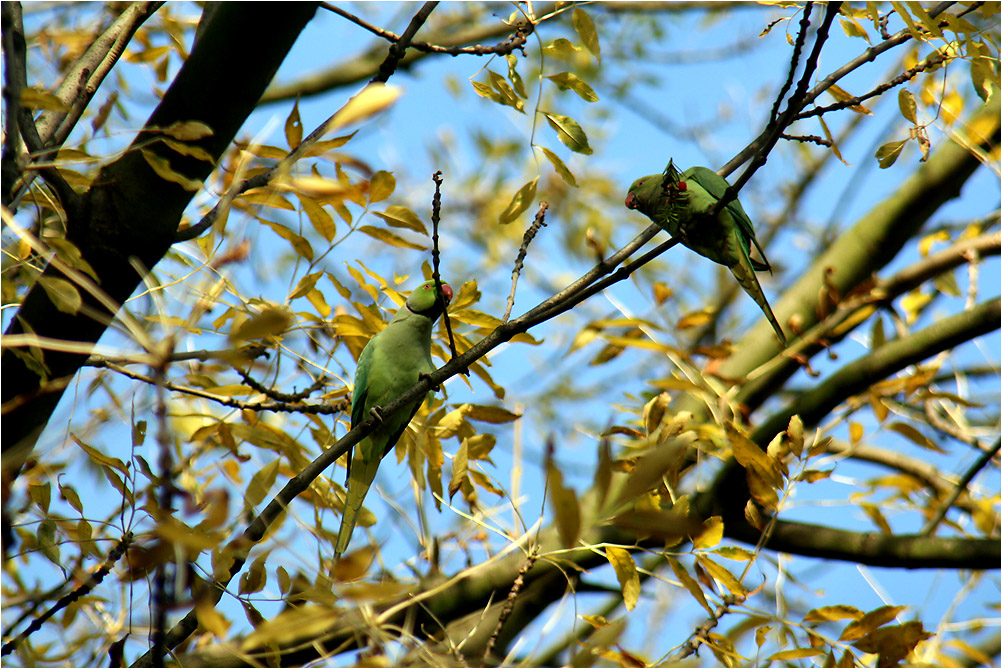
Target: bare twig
[[514, 41], [436, 213], [276, 406], [812, 139], [962, 484], [530, 234], [72, 596], [798, 45], [509, 604], [701, 634], [275, 394], [932, 61]]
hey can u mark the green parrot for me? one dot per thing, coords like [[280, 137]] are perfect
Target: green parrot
[[390, 364], [678, 203]]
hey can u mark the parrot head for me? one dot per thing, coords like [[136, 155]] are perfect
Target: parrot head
[[647, 194], [422, 300]]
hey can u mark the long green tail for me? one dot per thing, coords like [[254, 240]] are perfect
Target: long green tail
[[362, 475], [745, 274]]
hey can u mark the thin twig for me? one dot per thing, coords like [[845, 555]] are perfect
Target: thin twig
[[276, 406], [509, 604], [92, 582], [812, 139], [527, 238], [512, 43], [436, 214], [932, 61], [798, 45], [962, 484], [701, 634], [277, 395], [162, 594]]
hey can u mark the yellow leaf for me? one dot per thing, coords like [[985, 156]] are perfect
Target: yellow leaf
[[371, 100], [842, 95], [316, 298], [626, 573], [390, 238], [722, 574], [835, 612], [321, 220], [294, 126], [163, 169], [906, 104], [927, 242], [869, 622], [711, 534], [401, 217], [272, 321], [491, 414], [695, 319], [521, 201], [689, 583], [794, 654], [381, 186], [211, 620]]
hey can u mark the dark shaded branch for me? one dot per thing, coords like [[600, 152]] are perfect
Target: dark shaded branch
[[908, 551], [399, 47]]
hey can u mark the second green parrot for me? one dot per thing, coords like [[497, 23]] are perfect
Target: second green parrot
[[679, 203], [389, 365]]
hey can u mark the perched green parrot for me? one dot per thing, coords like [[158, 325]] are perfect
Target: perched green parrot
[[679, 202], [390, 364]]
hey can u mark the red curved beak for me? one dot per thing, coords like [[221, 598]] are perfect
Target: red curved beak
[[447, 291], [631, 201]]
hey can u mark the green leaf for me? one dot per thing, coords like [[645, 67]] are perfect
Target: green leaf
[[561, 48], [508, 97], [521, 201], [906, 103], [559, 166], [397, 216], [566, 81], [569, 132], [513, 75], [485, 91], [585, 29], [63, 294], [888, 153], [795, 654], [100, 458], [388, 237]]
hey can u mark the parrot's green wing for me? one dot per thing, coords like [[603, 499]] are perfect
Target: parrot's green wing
[[389, 365], [716, 186]]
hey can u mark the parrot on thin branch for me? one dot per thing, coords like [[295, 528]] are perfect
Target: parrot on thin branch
[[389, 365], [680, 204]]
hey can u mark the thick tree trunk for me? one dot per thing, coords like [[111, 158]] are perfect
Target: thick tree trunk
[[130, 215]]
